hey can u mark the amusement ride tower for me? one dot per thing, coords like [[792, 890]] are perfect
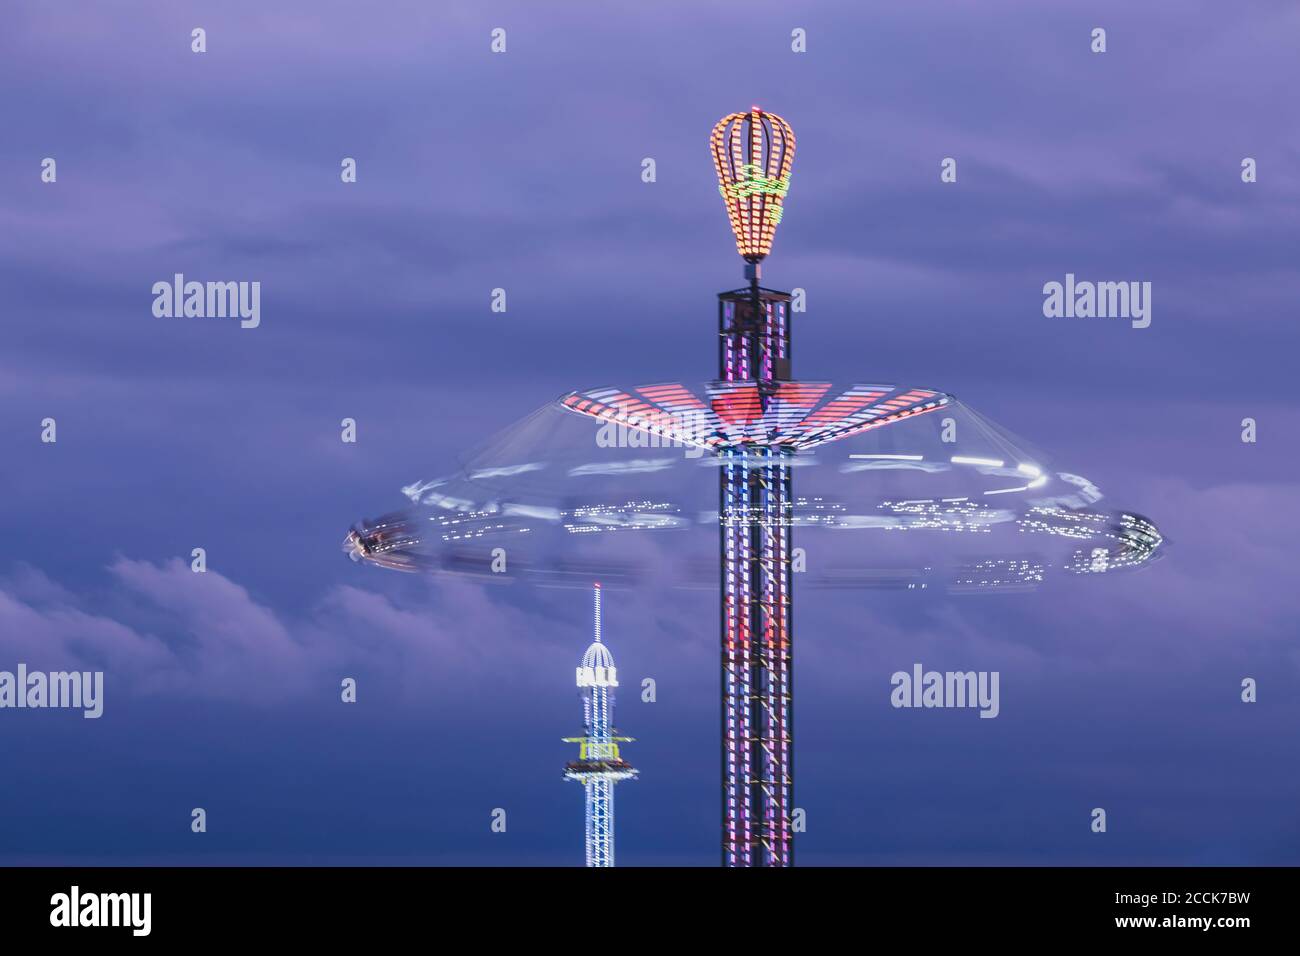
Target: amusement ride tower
[[599, 765], [754, 420], [753, 152]]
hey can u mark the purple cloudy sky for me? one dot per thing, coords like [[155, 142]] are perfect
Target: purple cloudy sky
[[522, 171]]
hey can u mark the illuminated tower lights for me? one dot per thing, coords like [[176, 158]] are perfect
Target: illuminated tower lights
[[752, 153], [755, 420], [599, 765]]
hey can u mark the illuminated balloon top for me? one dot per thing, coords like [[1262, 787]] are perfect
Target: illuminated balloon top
[[752, 152]]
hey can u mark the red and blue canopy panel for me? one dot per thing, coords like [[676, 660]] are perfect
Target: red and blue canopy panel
[[738, 414]]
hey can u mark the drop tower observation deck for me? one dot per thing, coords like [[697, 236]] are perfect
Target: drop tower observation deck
[[599, 765]]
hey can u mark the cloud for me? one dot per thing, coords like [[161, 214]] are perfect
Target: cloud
[[1213, 600], [164, 630]]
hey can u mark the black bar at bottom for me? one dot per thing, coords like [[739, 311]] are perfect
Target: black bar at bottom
[[978, 905]]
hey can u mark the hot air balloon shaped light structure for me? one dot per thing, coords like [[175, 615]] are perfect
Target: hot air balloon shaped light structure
[[752, 153]]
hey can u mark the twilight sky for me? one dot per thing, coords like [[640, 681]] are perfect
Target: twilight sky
[[522, 171]]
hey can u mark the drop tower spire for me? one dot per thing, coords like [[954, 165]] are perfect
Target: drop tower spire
[[599, 765]]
